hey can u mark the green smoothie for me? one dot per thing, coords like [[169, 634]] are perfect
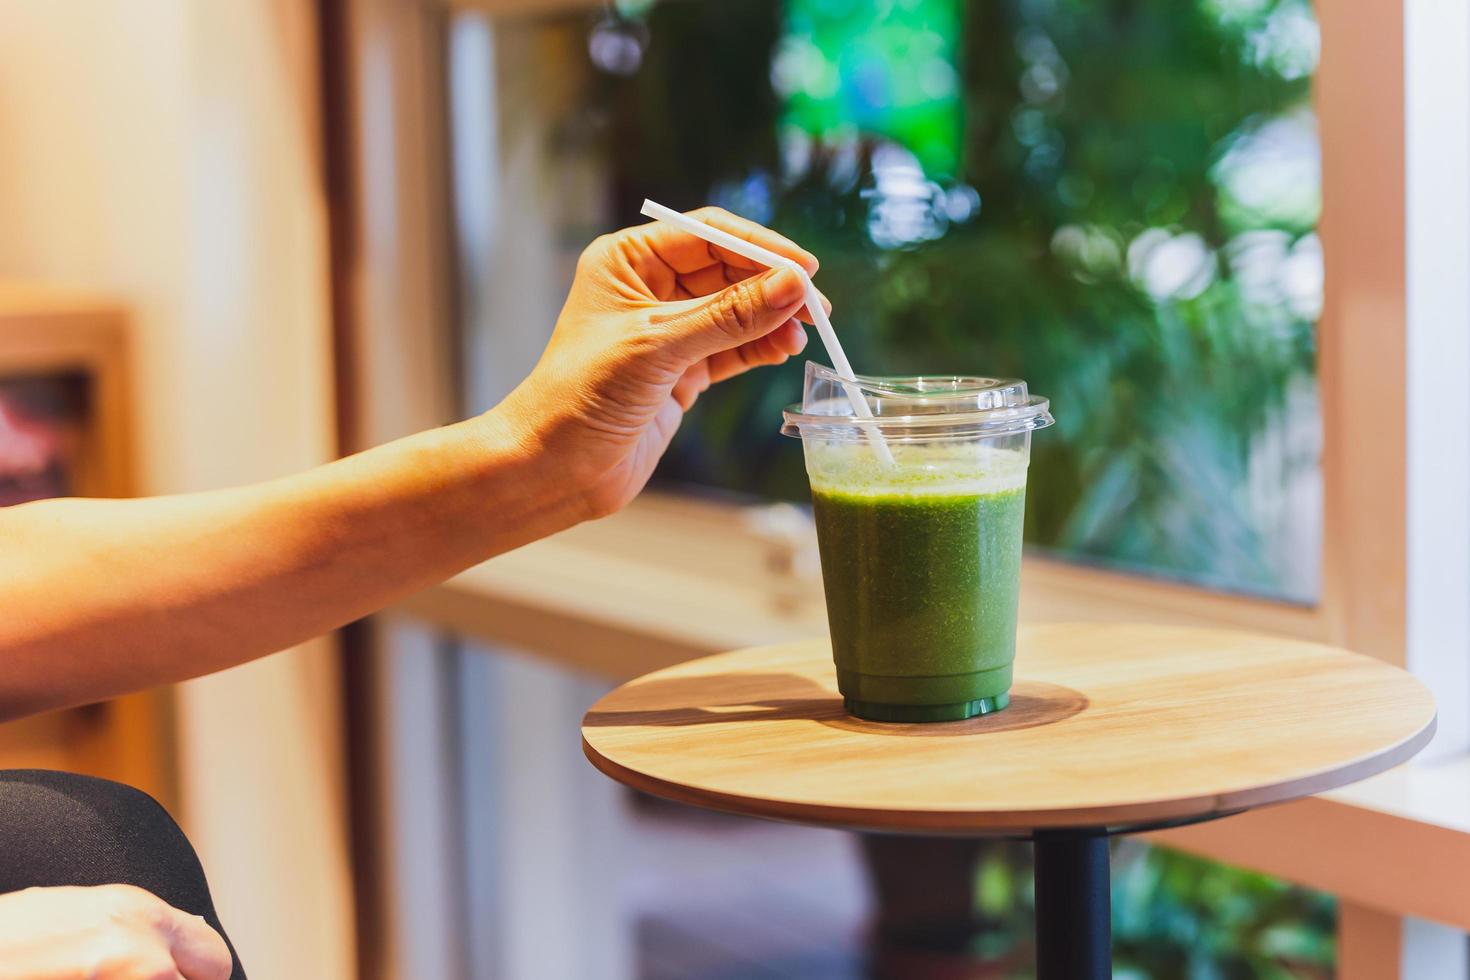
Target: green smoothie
[[921, 567]]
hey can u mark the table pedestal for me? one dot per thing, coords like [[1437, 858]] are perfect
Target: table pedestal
[[1074, 930], [924, 889]]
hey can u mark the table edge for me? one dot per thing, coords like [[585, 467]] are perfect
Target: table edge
[[1002, 823]]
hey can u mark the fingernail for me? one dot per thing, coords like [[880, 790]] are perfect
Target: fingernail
[[783, 288]]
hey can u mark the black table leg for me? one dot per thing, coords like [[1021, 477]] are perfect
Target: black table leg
[[1074, 930]]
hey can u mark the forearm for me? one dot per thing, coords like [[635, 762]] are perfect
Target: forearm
[[99, 597]]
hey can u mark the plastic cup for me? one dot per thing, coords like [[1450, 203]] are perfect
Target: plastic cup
[[921, 559]]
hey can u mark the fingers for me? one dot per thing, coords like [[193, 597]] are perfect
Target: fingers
[[805, 316], [775, 347], [713, 278], [685, 253], [695, 382], [790, 339], [746, 311], [199, 952]]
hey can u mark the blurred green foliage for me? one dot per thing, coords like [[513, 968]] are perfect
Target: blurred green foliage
[[847, 67], [1179, 916], [1175, 917]]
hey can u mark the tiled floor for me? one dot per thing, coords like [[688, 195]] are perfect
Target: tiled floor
[[725, 898]]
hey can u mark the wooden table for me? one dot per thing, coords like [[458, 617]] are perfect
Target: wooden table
[[1111, 729]]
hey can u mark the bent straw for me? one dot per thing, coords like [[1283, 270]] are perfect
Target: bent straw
[[822, 322]]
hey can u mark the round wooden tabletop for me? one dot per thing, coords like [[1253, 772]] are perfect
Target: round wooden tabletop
[[1113, 726]]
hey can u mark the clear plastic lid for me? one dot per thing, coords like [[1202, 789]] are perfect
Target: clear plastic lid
[[915, 408]]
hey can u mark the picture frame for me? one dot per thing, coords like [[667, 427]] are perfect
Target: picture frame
[[66, 430]]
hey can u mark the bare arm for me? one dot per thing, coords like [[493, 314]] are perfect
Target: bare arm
[[106, 596], [100, 597]]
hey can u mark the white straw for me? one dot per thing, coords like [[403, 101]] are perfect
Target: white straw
[[823, 323]]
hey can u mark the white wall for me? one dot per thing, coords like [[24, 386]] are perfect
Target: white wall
[[165, 151]]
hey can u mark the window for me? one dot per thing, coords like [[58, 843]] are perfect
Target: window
[[1116, 202]]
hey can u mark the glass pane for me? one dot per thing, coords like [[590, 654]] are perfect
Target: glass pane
[[1116, 201]]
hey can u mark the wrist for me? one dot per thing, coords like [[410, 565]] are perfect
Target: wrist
[[523, 476]]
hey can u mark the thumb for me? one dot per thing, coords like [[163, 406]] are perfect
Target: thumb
[[199, 952], [738, 314]]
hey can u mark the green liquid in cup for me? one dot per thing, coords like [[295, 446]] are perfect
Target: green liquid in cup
[[921, 567]]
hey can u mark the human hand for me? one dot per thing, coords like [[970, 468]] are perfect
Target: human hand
[[106, 932], [654, 317]]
